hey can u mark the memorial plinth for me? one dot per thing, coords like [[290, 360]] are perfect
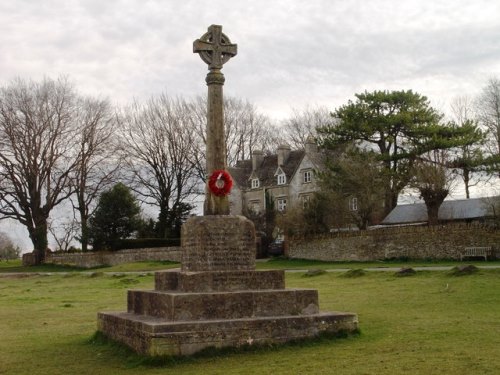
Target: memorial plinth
[[218, 299]]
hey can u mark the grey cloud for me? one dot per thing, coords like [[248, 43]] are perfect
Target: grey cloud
[[288, 50]]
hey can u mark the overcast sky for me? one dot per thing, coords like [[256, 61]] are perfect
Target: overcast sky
[[290, 53]]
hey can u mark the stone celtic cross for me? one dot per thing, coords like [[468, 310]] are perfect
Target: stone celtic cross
[[215, 49]]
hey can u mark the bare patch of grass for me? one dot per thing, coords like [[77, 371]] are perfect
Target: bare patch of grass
[[464, 270], [406, 271], [314, 272], [354, 273]]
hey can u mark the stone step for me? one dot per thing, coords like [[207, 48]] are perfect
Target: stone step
[[219, 281], [175, 306], [153, 336]]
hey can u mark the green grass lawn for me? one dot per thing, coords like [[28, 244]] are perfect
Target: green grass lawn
[[284, 263], [431, 323], [271, 263], [16, 266]]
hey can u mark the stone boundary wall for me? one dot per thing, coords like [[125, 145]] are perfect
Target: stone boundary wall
[[110, 258], [439, 242]]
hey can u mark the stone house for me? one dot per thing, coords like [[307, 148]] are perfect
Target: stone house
[[287, 176]]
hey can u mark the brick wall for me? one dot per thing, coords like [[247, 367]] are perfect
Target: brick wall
[[439, 242], [110, 258]]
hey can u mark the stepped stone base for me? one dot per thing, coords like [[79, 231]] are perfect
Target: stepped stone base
[[175, 306], [218, 299], [153, 336]]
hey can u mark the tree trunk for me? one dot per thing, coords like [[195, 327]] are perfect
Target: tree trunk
[[432, 214], [390, 201], [38, 236], [433, 200], [466, 177], [162, 225], [85, 231]]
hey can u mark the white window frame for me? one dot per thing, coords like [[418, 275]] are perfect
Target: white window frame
[[255, 183], [353, 204], [307, 177], [281, 179], [281, 204]]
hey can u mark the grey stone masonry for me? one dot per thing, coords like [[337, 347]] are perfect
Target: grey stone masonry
[[223, 302], [219, 281], [218, 243]]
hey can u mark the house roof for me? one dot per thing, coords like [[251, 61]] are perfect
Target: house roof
[[242, 171], [462, 209]]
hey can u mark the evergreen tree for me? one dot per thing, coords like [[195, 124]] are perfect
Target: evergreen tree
[[116, 217], [400, 125]]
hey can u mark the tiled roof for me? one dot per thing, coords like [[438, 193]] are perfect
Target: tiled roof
[[462, 209], [242, 171]]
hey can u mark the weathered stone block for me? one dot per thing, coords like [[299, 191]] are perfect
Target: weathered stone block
[[174, 306], [219, 281], [150, 336], [218, 243]]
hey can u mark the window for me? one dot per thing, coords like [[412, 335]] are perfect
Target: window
[[306, 199], [281, 204], [353, 204], [281, 179], [307, 177], [255, 183]]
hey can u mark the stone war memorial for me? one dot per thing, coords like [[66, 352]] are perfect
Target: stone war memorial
[[217, 298]]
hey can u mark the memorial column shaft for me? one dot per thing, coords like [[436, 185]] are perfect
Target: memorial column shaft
[[216, 141]]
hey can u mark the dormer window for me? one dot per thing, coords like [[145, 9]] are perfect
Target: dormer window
[[281, 179], [307, 177], [255, 183]]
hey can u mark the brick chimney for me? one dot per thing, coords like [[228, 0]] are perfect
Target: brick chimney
[[283, 153], [257, 158]]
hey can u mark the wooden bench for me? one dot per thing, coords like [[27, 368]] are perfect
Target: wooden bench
[[478, 251]]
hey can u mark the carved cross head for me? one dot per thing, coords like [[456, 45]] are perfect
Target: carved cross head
[[215, 48]]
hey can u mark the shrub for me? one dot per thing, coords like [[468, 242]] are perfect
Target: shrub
[[116, 217], [463, 270], [354, 273]]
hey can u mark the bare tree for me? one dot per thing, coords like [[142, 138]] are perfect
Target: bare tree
[[99, 159], [468, 159], [433, 180], [488, 111], [64, 233], [37, 153], [245, 129], [159, 142], [492, 204], [303, 123]]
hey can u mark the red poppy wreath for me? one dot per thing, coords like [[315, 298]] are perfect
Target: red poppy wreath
[[220, 183]]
